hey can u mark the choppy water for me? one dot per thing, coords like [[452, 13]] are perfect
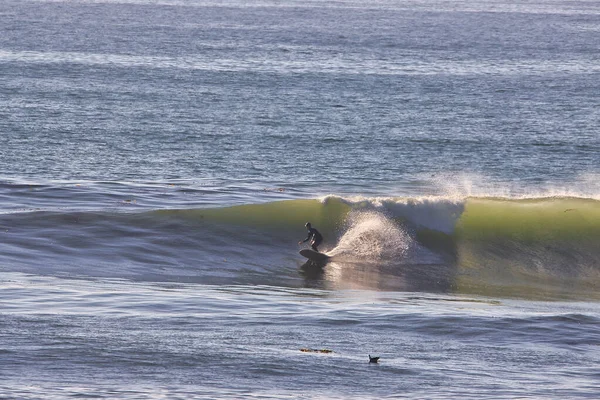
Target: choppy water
[[158, 160], [112, 339]]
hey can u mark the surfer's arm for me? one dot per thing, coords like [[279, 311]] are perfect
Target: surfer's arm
[[307, 238]]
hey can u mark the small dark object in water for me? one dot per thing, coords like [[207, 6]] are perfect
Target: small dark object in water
[[373, 360]]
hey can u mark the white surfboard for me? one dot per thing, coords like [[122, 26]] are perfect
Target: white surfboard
[[315, 256]]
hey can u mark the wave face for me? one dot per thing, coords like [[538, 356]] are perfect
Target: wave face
[[547, 244], [535, 247]]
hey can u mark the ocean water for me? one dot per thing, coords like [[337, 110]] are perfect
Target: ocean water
[[159, 159]]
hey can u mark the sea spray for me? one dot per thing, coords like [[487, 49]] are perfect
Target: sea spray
[[371, 236]]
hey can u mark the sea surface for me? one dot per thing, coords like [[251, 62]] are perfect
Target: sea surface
[[159, 159]]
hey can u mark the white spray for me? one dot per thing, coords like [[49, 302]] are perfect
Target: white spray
[[372, 237]]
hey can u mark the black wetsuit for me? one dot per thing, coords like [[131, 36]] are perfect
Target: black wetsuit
[[316, 237]]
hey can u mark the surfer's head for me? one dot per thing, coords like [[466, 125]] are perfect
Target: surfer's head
[[307, 225]]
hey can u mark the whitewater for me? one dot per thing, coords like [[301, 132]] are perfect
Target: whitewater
[[160, 159]]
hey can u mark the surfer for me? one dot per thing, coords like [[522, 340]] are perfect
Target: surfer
[[314, 236]]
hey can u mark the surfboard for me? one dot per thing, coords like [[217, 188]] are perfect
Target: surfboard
[[315, 256]]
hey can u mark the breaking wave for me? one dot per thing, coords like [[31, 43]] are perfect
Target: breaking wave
[[497, 246]]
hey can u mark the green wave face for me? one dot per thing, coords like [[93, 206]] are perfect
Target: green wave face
[[535, 248], [530, 221], [281, 216]]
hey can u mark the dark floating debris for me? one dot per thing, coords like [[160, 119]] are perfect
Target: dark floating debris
[[325, 351], [280, 190]]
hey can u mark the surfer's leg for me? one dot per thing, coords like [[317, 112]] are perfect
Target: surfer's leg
[[314, 244]]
